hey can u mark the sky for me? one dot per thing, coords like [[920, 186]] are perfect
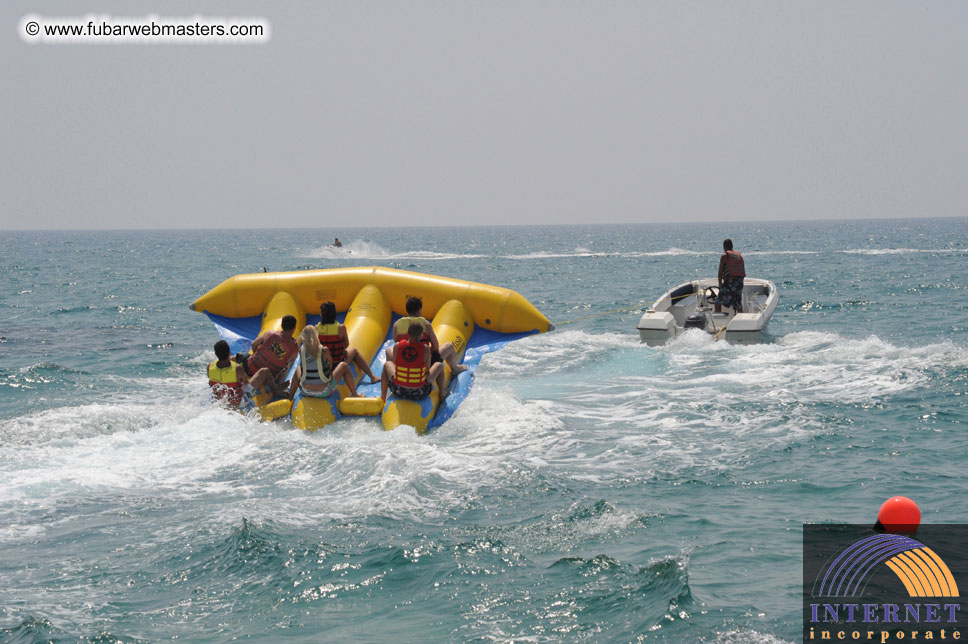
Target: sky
[[477, 112]]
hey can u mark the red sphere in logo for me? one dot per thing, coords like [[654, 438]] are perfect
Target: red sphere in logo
[[899, 514]]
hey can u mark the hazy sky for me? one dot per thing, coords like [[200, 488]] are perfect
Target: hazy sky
[[491, 112]]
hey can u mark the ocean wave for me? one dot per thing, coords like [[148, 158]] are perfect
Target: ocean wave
[[250, 549], [32, 629], [36, 630], [44, 373], [747, 636], [74, 309], [657, 594], [571, 529]]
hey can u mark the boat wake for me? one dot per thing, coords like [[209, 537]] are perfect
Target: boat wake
[[585, 252], [902, 251], [699, 406], [357, 249], [365, 250]]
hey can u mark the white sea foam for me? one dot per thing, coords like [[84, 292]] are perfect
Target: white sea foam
[[781, 252], [901, 251], [356, 249], [585, 252], [165, 441], [546, 354], [698, 402], [360, 249], [673, 252], [578, 252], [369, 472], [599, 407], [747, 636], [429, 255]]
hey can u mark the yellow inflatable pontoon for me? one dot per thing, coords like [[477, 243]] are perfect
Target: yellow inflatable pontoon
[[476, 318]]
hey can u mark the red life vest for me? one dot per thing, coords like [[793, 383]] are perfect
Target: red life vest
[[734, 265], [224, 382], [275, 352], [401, 329], [411, 367], [330, 338]]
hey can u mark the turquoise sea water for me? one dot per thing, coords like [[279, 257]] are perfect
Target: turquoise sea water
[[590, 489]]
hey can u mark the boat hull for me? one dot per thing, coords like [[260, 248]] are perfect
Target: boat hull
[[689, 305]]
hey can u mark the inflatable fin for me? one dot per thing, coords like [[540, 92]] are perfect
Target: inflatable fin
[[367, 323], [281, 305]]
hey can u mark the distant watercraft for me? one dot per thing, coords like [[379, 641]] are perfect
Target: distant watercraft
[[690, 306]]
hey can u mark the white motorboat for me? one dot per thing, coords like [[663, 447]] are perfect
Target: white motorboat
[[690, 306]]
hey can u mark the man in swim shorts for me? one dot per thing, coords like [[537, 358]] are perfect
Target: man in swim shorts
[[732, 270]]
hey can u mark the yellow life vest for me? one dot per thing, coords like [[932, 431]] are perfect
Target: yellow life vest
[[224, 382], [322, 375], [401, 328], [327, 329], [330, 338], [223, 375]]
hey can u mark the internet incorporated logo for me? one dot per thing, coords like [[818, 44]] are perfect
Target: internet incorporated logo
[[883, 587], [922, 572]]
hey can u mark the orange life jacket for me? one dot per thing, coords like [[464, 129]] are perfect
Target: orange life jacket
[[411, 367], [275, 352], [330, 338], [224, 382]]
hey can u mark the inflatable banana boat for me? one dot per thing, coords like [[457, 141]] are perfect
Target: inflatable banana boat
[[475, 318]]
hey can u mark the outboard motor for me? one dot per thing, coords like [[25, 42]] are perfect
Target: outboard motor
[[695, 321]]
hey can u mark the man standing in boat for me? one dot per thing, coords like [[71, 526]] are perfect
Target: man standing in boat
[[731, 274]]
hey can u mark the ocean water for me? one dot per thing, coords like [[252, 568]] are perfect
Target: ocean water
[[590, 489]]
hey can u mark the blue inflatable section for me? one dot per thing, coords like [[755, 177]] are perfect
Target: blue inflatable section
[[240, 332]]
